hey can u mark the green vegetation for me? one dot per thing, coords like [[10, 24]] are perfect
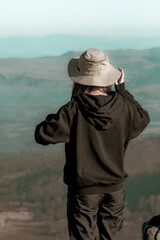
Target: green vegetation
[[143, 187], [31, 175], [31, 88], [33, 180]]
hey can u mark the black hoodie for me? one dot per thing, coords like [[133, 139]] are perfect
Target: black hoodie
[[96, 130]]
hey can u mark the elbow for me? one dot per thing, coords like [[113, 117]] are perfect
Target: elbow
[[147, 118], [38, 136], [140, 125]]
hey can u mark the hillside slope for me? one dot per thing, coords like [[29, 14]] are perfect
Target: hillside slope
[[33, 87]]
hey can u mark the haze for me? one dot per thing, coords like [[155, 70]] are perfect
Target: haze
[[118, 19]]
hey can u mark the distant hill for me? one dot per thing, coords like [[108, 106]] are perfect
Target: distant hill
[[31, 174], [30, 88], [57, 44]]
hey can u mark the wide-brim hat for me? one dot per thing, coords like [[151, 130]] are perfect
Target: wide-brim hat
[[92, 68]]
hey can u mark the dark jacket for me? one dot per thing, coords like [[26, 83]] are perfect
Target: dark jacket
[[96, 131]]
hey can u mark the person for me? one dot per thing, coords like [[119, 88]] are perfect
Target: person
[[96, 126], [151, 229]]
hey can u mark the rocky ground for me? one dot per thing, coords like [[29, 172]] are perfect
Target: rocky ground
[[21, 225]]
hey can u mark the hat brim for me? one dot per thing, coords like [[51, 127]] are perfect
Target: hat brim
[[107, 78]]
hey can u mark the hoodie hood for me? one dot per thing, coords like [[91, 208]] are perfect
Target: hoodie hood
[[99, 110]]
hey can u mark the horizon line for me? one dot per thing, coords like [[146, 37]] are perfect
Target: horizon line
[[78, 51], [77, 35]]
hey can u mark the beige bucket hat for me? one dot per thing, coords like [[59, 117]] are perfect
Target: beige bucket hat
[[92, 68]]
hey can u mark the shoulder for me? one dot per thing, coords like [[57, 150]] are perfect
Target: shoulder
[[70, 105], [69, 109]]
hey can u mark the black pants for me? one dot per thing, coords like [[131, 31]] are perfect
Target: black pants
[[89, 213]]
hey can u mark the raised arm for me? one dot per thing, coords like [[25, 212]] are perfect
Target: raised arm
[[137, 115]]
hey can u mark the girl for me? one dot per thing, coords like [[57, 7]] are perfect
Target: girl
[[96, 126]]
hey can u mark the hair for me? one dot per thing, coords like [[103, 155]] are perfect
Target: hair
[[79, 88]]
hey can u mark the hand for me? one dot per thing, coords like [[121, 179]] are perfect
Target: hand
[[121, 79]]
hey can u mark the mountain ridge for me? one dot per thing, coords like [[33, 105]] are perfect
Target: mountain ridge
[[31, 88], [57, 44]]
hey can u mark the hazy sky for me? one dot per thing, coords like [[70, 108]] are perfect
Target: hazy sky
[[113, 18]]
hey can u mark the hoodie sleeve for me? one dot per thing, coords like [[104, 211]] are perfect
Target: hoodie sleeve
[[56, 127], [138, 117]]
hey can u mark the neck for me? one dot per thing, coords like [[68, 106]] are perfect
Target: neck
[[96, 92]]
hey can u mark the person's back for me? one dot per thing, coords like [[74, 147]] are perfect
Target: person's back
[[96, 126]]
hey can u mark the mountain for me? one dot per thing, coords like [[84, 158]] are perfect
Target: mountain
[[31, 187], [57, 44], [33, 87]]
